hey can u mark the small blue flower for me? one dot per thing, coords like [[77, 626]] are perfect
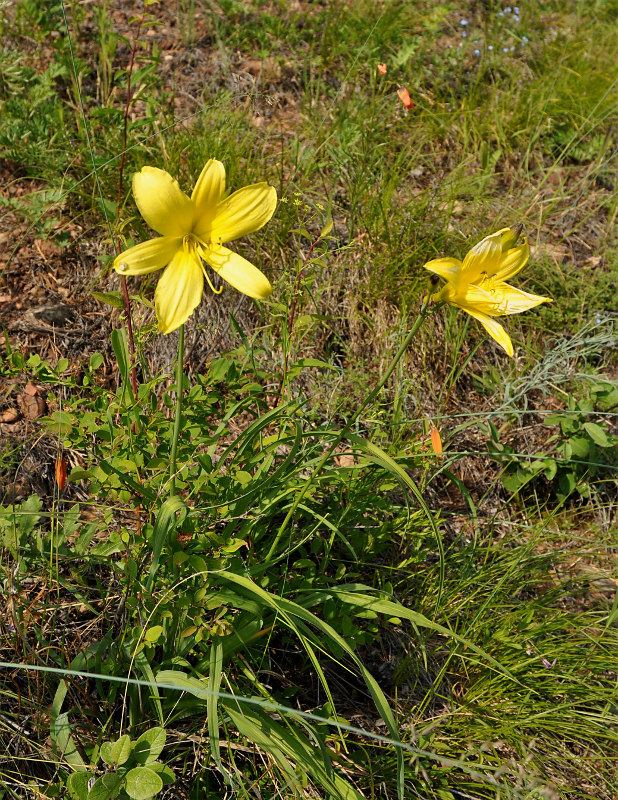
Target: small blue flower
[[524, 40], [512, 48], [507, 10], [500, 13], [491, 47], [464, 34], [505, 49], [516, 9], [464, 22], [516, 18], [477, 52]]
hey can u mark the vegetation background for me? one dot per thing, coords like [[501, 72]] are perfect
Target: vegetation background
[[421, 625]]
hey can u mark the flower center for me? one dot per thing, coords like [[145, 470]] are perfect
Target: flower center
[[487, 282], [195, 248], [190, 244]]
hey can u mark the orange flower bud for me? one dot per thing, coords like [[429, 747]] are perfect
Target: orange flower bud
[[382, 69], [61, 472], [436, 441], [404, 96]]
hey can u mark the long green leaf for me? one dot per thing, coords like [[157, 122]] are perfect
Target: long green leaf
[[166, 522], [272, 737], [391, 609], [288, 610], [378, 456], [214, 684], [123, 359]]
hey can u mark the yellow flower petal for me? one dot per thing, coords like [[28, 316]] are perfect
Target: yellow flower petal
[[245, 211], [475, 297], [514, 301], [179, 290], [238, 272], [447, 268], [147, 256], [208, 191], [161, 202], [484, 257], [513, 261], [495, 330]]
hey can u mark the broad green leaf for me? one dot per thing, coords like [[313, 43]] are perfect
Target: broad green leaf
[[597, 434], [118, 752], [579, 446], [77, 785], [96, 361], [154, 634], [58, 423], [111, 298], [326, 229], [149, 746], [142, 783], [550, 468], [113, 780], [100, 791]]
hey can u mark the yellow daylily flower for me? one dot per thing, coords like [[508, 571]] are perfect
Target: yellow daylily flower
[[192, 231], [478, 284]]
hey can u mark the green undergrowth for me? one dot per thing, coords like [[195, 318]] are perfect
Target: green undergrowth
[[389, 623]]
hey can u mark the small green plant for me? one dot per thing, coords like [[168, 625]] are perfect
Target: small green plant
[[131, 769], [578, 455]]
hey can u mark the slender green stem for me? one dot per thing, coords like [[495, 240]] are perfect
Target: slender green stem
[[179, 376], [424, 312]]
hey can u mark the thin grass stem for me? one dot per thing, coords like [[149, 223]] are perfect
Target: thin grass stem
[[176, 431]]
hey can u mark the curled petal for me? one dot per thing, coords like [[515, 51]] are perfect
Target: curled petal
[[510, 236], [162, 203], [245, 211], [494, 329], [208, 191], [147, 256], [514, 301], [484, 257], [179, 290], [238, 272], [513, 261]]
